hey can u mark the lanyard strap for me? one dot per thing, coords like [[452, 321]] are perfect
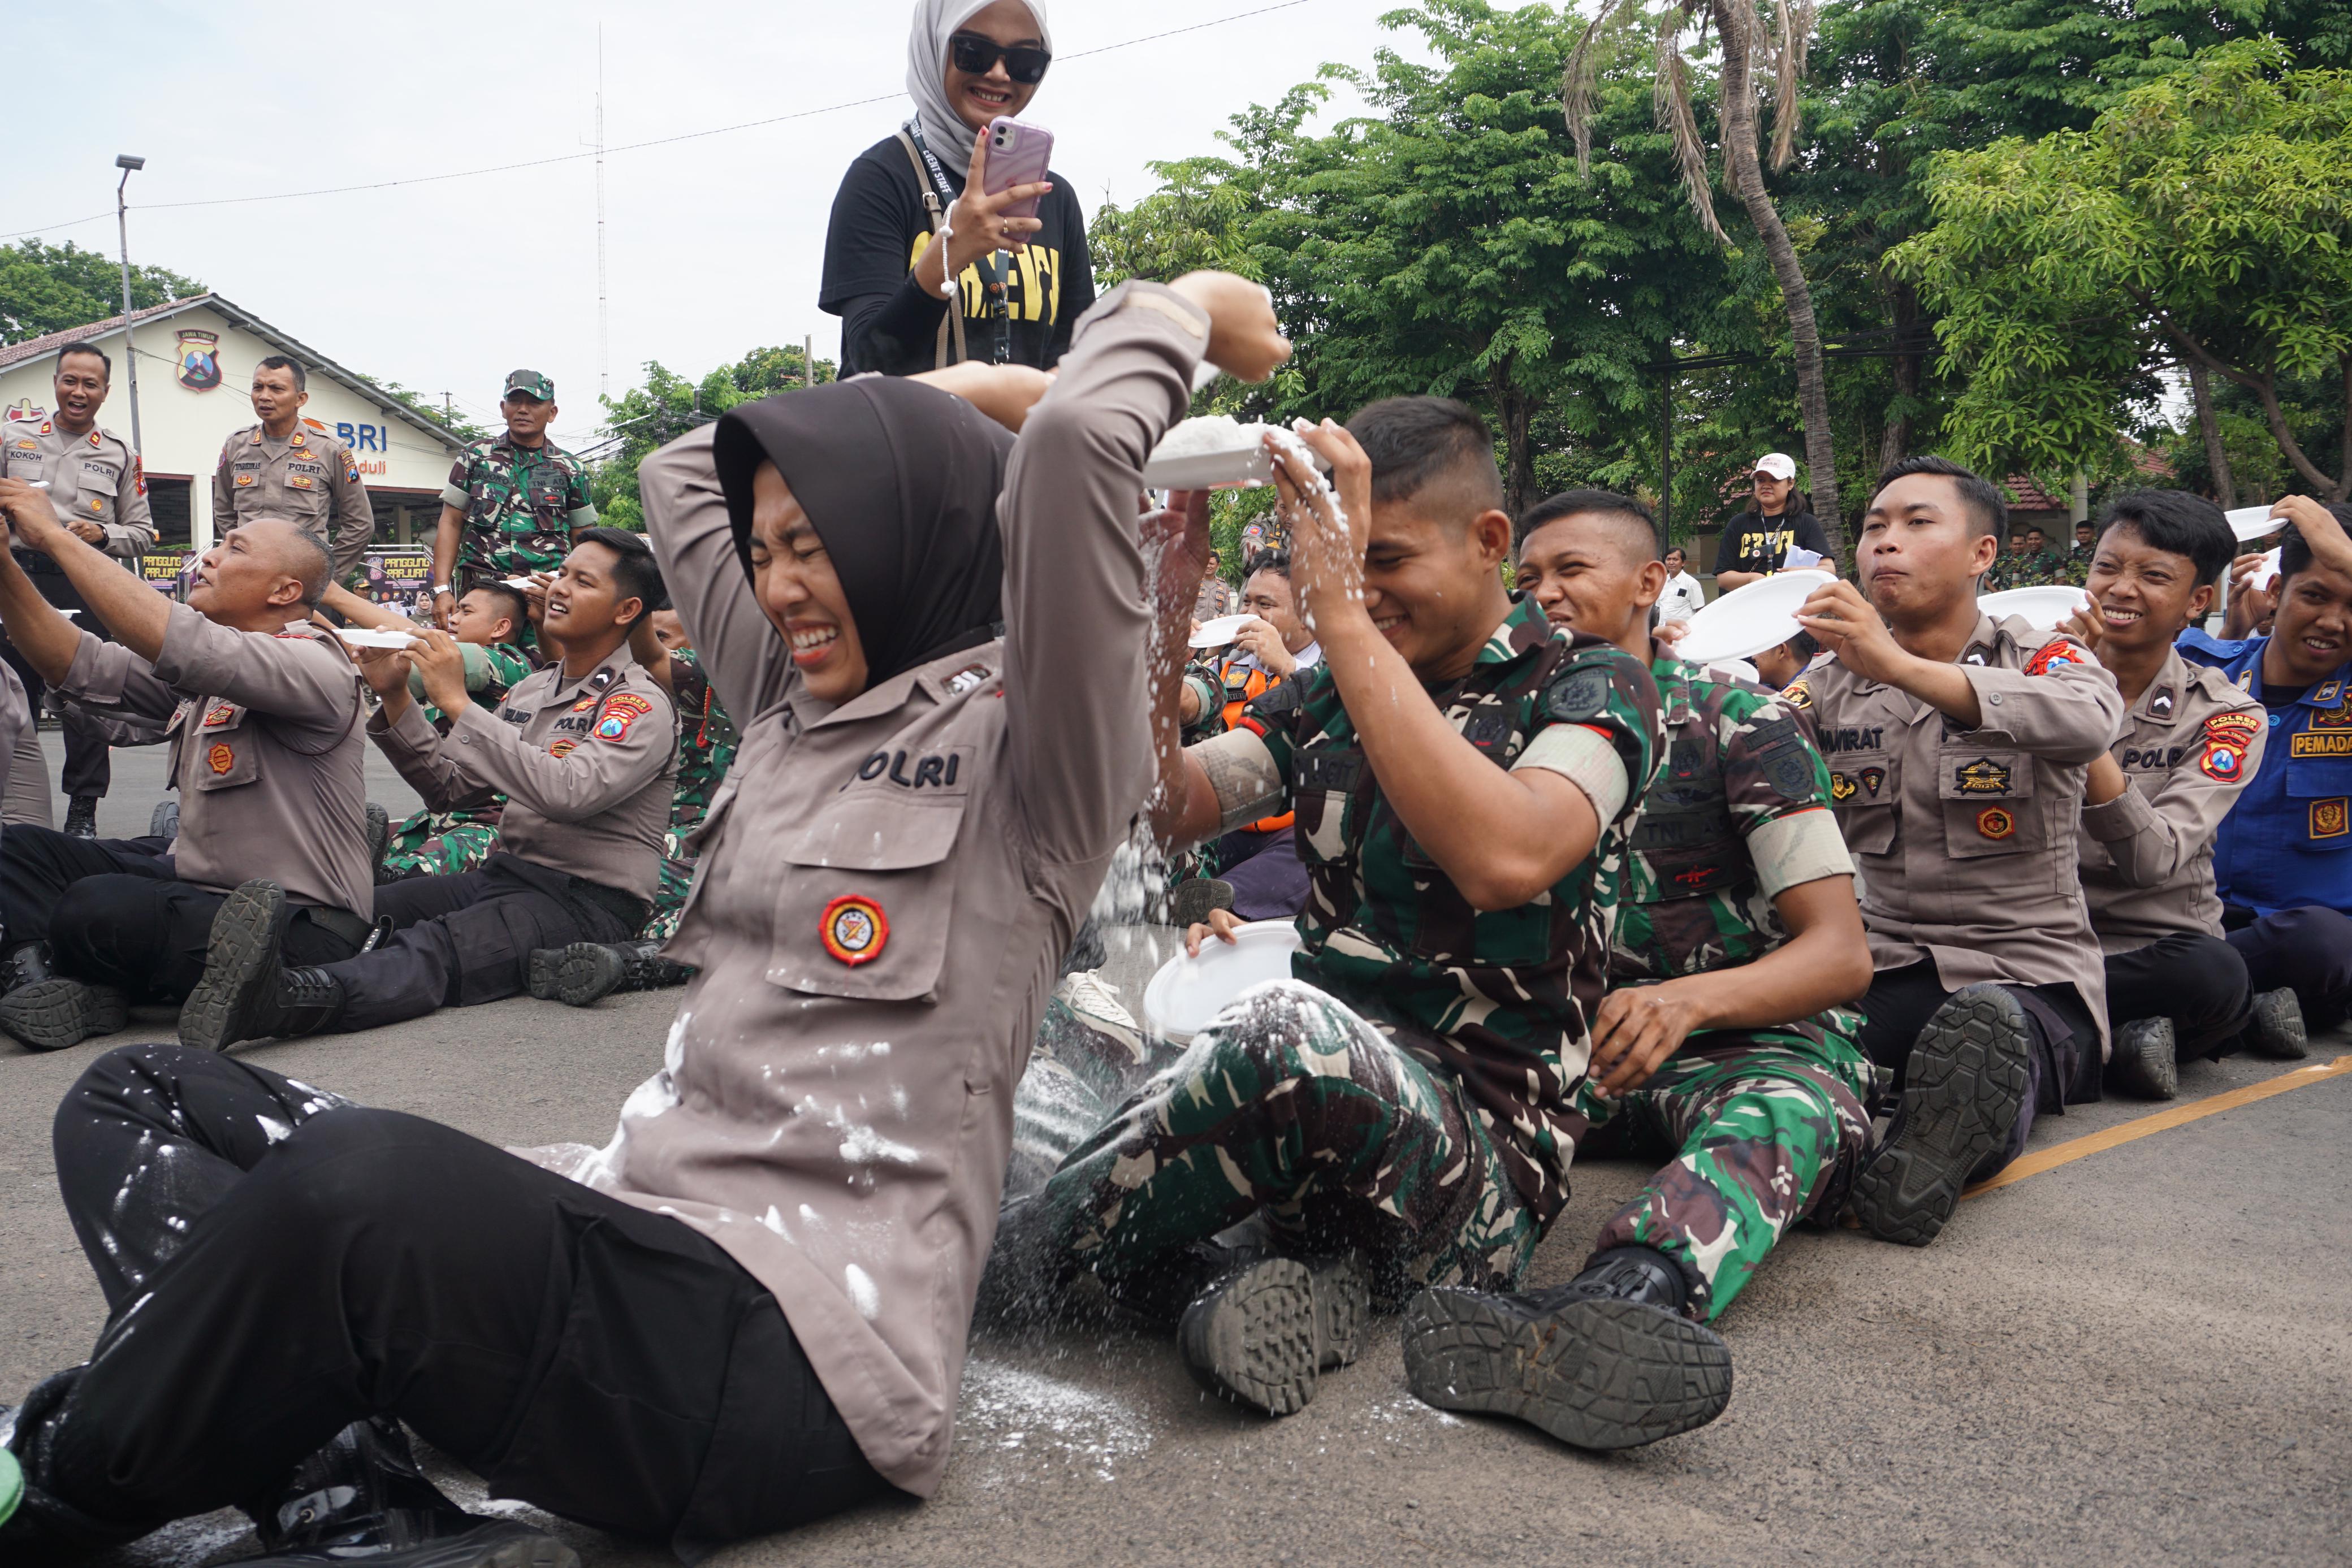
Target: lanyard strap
[[992, 265]]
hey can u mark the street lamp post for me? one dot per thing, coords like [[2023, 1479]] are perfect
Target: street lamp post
[[128, 164]]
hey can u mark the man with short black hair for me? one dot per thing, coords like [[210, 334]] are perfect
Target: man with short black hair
[[1465, 778], [287, 466], [265, 719], [1756, 544], [513, 503], [98, 486], [490, 624], [1957, 748], [2191, 742], [584, 751], [1683, 597]]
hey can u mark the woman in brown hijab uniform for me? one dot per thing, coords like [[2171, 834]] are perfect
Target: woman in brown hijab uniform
[[748, 1310]]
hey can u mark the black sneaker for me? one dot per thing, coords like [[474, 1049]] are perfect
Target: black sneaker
[[1607, 1361], [52, 1014], [2144, 1064], [1191, 903], [164, 822], [1962, 1090], [1263, 1334], [81, 816], [2278, 1032]]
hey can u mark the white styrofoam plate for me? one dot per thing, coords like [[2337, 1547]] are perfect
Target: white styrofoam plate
[[1187, 993], [1747, 620], [2251, 522], [2043, 606], [1216, 634], [371, 637], [1213, 452]]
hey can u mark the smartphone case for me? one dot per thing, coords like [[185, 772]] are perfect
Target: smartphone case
[[1018, 154]]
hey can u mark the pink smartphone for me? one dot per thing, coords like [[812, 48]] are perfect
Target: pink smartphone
[[1017, 155]]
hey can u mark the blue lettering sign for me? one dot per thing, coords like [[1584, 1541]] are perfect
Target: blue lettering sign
[[344, 432]]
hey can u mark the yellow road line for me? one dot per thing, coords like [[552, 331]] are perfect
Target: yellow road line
[[2057, 1154]]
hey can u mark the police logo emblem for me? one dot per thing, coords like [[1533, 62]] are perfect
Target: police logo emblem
[[2330, 818], [2227, 737], [220, 759], [1993, 822], [199, 359], [1872, 778], [1983, 777], [853, 929]]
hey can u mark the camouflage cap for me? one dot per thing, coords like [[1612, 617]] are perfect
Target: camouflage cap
[[530, 384]]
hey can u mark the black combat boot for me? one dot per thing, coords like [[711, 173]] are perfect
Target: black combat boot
[[1606, 1361], [81, 816], [1264, 1334], [361, 1499], [43, 1010], [2277, 1031], [587, 972], [2144, 1064], [247, 992], [379, 835], [164, 822], [1963, 1089]]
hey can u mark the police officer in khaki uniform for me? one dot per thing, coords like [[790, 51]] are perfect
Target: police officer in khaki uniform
[[282, 468], [265, 723], [2191, 742], [97, 483], [1957, 748], [583, 751]]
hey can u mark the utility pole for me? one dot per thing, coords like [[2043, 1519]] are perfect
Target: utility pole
[[808, 360], [603, 357], [128, 165]]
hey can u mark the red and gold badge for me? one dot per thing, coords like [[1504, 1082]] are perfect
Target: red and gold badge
[[562, 748], [2227, 736], [220, 759], [2329, 818], [219, 715], [2056, 652], [620, 712], [853, 929], [243, 479], [1995, 823]]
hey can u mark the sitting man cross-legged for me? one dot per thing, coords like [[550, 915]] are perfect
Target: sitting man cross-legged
[[2191, 743], [1957, 748], [265, 722], [1727, 1038], [584, 751], [1463, 778]]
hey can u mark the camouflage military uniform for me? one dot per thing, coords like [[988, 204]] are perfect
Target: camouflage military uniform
[[705, 749], [1412, 1092], [522, 504], [1771, 1124], [2035, 568], [443, 844]]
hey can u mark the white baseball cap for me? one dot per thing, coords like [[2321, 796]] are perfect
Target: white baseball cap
[[1778, 464]]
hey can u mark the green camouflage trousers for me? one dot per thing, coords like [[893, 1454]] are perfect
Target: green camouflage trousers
[[1771, 1126], [669, 897], [1292, 1106], [440, 843]]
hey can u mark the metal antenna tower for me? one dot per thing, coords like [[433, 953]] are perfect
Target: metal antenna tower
[[603, 333]]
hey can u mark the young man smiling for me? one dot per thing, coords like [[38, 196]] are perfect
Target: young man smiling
[[1727, 1038], [2191, 742], [2279, 858], [1463, 778], [1956, 747], [583, 751]]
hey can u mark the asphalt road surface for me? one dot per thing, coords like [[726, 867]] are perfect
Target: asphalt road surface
[[2141, 1355]]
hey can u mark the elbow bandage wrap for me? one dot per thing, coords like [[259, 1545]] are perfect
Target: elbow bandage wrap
[[1793, 850], [1243, 776], [1586, 759]]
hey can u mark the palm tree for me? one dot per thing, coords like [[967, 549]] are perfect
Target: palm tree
[[1748, 39]]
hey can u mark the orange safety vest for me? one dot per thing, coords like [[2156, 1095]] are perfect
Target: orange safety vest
[[1250, 683]]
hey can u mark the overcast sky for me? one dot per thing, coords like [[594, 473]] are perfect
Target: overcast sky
[[713, 246]]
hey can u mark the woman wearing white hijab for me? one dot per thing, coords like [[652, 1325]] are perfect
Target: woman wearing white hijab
[[912, 227]]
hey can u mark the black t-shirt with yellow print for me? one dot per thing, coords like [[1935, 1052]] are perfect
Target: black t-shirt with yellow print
[[891, 323]]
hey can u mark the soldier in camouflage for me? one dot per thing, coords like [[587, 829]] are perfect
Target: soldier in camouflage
[[1403, 1111], [705, 749], [487, 624], [2034, 564], [513, 503], [1726, 1041]]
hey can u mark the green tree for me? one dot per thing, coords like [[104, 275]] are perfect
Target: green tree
[[457, 424], [48, 289], [667, 405], [2205, 218]]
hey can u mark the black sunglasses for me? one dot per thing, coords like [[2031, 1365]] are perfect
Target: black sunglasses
[[976, 56]]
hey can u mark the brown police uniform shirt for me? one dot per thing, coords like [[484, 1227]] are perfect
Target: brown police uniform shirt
[[266, 750], [585, 766], [1965, 838], [15, 726], [94, 477], [309, 476], [885, 890], [2188, 746]]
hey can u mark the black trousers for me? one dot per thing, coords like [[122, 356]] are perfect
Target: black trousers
[[2065, 1058], [2307, 950], [461, 940], [280, 1263], [2199, 982], [113, 913], [90, 763]]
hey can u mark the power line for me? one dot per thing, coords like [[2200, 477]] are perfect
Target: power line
[[641, 146]]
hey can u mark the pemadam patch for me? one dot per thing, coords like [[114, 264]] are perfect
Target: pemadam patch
[[2227, 736], [853, 929], [1994, 823], [220, 759], [2056, 652], [2329, 818], [620, 712]]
